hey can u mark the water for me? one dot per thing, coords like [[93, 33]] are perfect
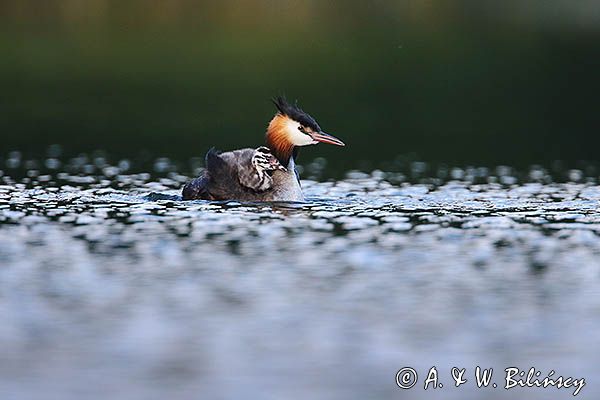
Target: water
[[111, 286]]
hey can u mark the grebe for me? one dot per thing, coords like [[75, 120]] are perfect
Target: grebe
[[265, 173]]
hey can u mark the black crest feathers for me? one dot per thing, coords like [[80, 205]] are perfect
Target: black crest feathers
[[295, 113]]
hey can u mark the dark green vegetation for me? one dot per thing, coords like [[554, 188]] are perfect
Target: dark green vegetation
[[476, 82]]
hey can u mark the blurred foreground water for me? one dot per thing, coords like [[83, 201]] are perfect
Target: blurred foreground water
[[110, 286]]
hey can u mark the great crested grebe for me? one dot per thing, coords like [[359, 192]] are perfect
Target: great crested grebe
[[265, 173]]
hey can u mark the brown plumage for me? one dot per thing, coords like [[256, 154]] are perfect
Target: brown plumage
[[277, 138], [262, 174]]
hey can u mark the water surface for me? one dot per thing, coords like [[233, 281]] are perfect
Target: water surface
[[110, 285]]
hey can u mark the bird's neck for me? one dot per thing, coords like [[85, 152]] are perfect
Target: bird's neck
[[277, 140]]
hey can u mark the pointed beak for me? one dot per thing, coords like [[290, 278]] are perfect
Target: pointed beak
[[326, 138]]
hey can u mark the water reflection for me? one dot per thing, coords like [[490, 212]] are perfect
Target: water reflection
[[109, 276]]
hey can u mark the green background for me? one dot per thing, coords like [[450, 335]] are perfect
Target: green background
[[467, 82]]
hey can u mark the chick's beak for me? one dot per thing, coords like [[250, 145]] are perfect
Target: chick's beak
[[326, 138], [274, 163]]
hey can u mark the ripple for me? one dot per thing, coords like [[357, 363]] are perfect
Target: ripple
[[124, 277]]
